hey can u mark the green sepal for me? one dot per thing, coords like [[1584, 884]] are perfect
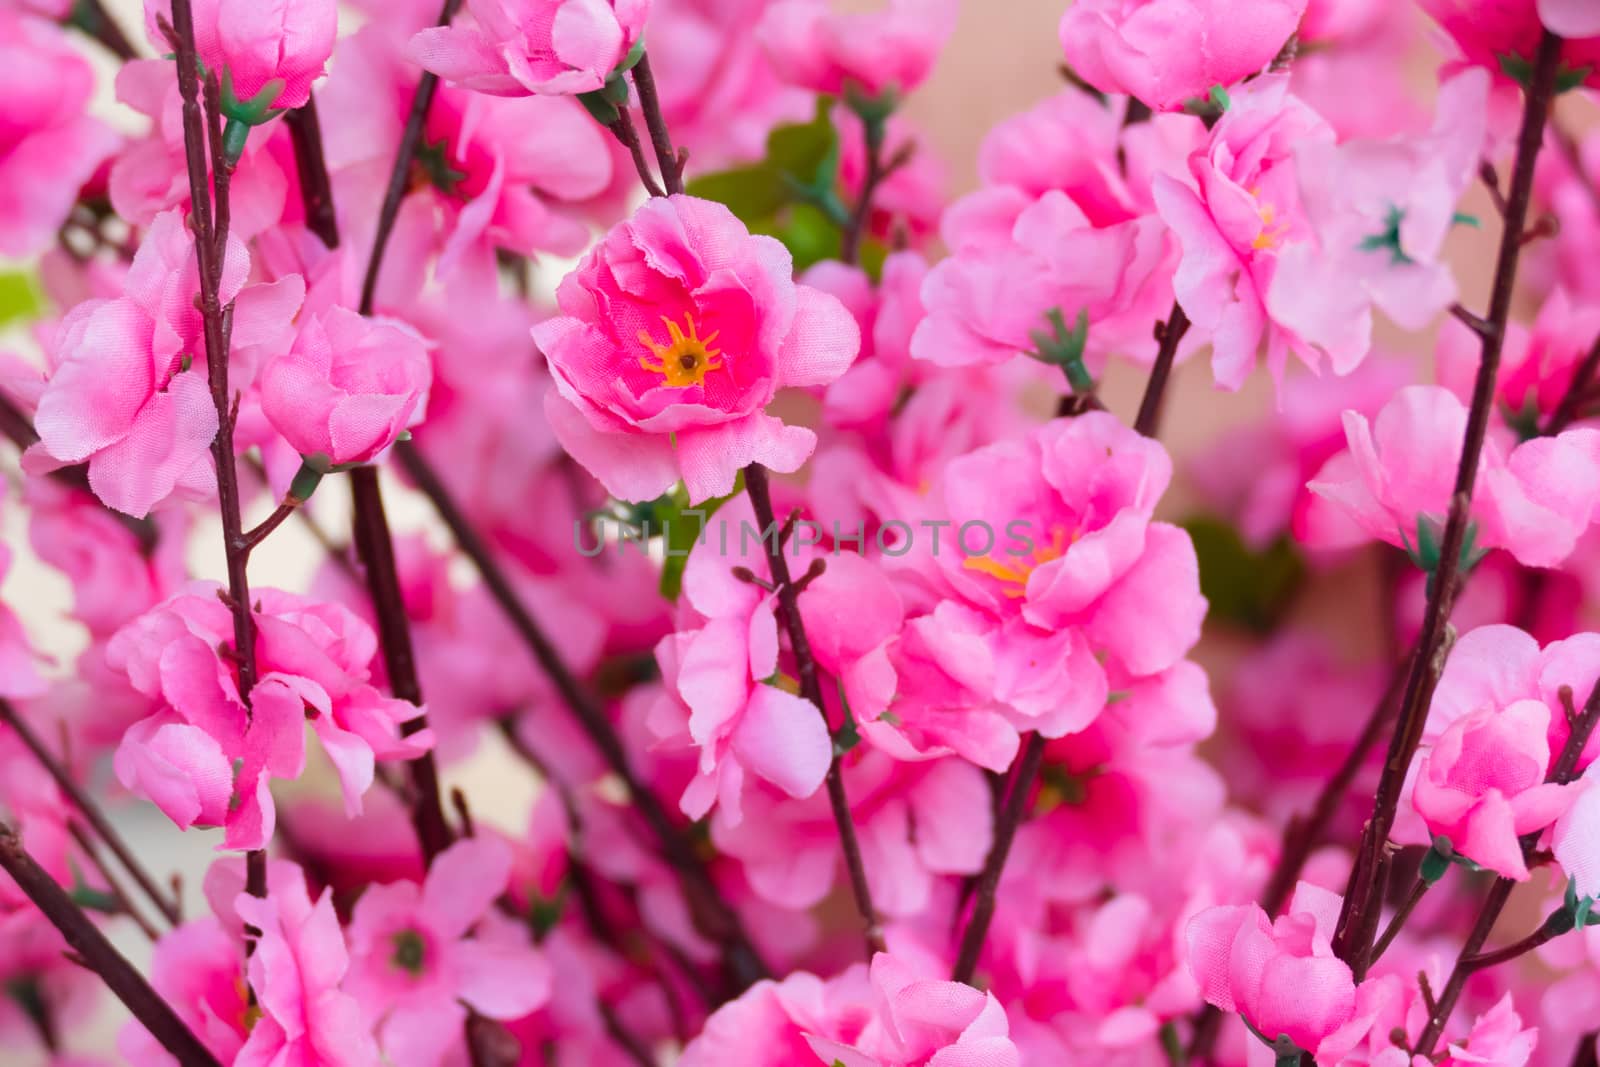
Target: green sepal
[[1436, 861], [305, 482], [1462, 218], [849, 735], [1389, 238], [1219, 98], [1520, 70], [1580, 910], [243, 115], [873, 110], [1063, 347]]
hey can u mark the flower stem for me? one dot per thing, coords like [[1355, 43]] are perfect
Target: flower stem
[[100, 956], [1351, 942], [316, 192], [668, 159], [1005, 831], [756, 485], [1168, 333]]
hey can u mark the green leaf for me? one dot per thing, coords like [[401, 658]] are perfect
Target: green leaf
[[800, 166], [19, 297], [1245, 587], [683, 526]]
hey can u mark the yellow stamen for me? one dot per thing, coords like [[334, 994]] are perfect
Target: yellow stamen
[[685, 359], [1013, 575]]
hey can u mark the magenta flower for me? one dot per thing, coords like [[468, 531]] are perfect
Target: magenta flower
[[1165, 52], [197, 968], [677, 331], [275, 48], [1283, 976], [1497, 1039], [816, 48], [348, 387], [313, 662], [48, 147], [296, 971], [1482, 785], [414, 968], [1504, 34], [518, 47], [1533, 500]]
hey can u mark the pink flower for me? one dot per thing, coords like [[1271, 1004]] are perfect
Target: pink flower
[[518, 47], [912, 1021], [1576, 838], [1166, 51], [1533, 499], [1044, 584], [1482, 785], [197, 969], [295, 971], [886, 314], [1380, 212], [1536, 363], [313, 661], [129, 392], [1015, 260], [1499, 34], [48, 147], [677, 330], [1242, 213], [815, 48], [414, 968], [1282, 976], [348, 387], [1497, 1039], [257, 44]]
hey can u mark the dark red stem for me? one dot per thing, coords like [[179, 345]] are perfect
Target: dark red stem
[[668, 160], [316, 192]]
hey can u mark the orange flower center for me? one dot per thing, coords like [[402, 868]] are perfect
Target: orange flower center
[[685, 359], [1013, 571]]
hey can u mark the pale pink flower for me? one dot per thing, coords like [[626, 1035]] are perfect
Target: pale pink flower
[[886, 315], [348, 387], [517, 47], [1016, 259], [816, 48], [257, 44], [1283, 976], [1482, 785], [296, 971], [48, 146], [417, 967], [1380, 212], [1497, 1039], [1536, 362], [1045, 582], [894, 1018], [313, 661], [1239, 216], [1576, 837], [198, 969], [1533, 499], [677, 330], [1165, 52], [1490, 32]]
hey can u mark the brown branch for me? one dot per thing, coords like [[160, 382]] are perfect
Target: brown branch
[[310, 163], [375, 549], [258, 533], [90, 811], [1005, 831], [1360, 894], [1168, 333], [92, 18], [100, 956], [755, 484], [1419, 889], [400, 176], [668, 160], [850, 244], [628, 136]]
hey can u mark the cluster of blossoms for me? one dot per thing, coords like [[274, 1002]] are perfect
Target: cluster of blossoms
[[893, 696]]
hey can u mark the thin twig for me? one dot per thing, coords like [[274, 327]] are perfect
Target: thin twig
[[91, 812], [375, 549], [1360, 895], [1570, 409], [113, 887], [258, 533], [93, 19], [850, 243], [1005, 831], [668, 160], [311, 165], [628, 136], [755, 484], [1418, 890], [1168, 334], [100, 956]]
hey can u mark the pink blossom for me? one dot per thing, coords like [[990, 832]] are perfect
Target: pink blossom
[[1282, 976], [48, 147], [312, 662], [1497, 1039], [415, 970], [886, 315], [1240, 216], [676, 332], [912, 1021], [1380, 212], [517, 47], [296, 971], [1165, 52], [1576, 837], [1536, 363], [1042, 587], [1533, 499], [348, 387], [279, 47], [198, 969], [1015, 260], [1482, 785], [1490, 33], [816, 48]]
